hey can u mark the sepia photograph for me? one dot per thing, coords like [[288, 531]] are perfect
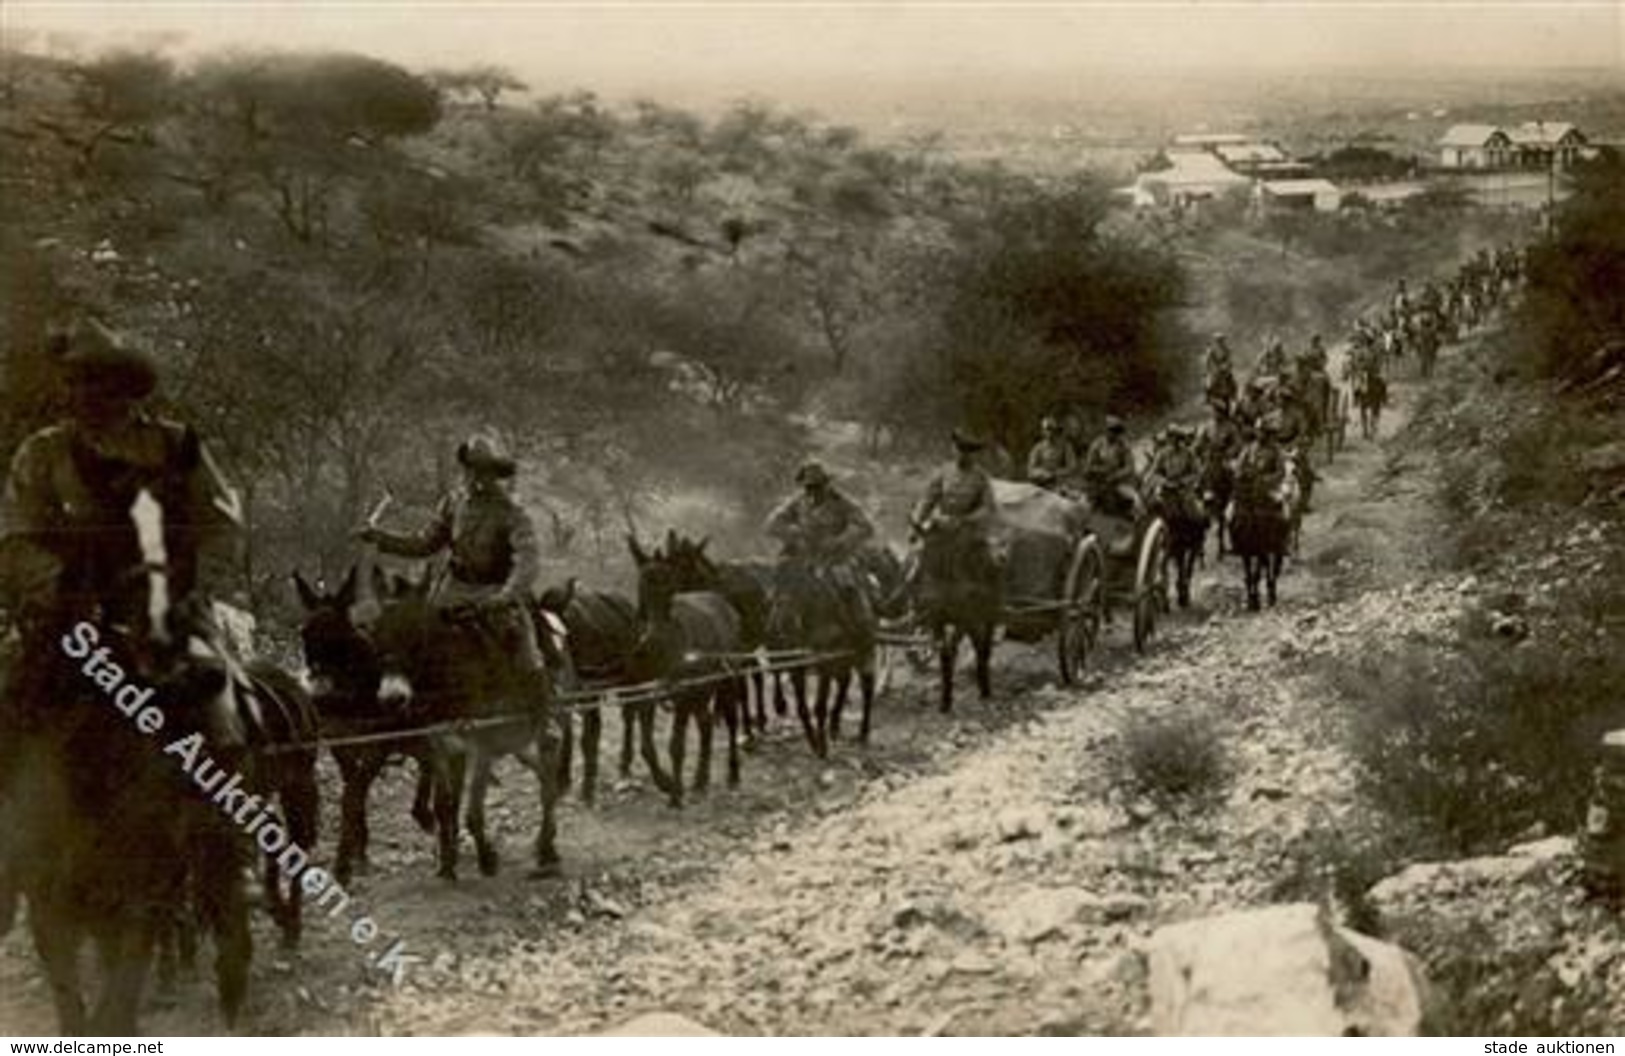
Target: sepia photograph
[[782, 518]]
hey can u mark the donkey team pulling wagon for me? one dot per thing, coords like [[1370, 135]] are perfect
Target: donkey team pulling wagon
[[1064, 569]]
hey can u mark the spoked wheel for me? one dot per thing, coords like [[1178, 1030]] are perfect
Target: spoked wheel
[[1079, 632], [1150, 583]]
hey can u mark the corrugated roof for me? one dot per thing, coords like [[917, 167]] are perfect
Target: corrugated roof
[[1250, 152], [1211, 138], [1469, 135], [1194, 168], [1300, 187], [1541, 133]]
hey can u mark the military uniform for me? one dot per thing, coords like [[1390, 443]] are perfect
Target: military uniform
[[1177, 471], [66, 534], [492, 566], [1051, 462], [1273, 361], [963, 496], [1109, 474], [827, 529], [1260, 472]]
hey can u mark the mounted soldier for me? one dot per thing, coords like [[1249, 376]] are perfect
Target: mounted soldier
[[1401, 302], [828, 531], [1175, 474], [1219, 372], [960, 496], [1109, 476], [958, 502], [1315, 355], [1252, 404], [1261, 467], [1273, 361], [1051, 463], [68, 540], [493, 557]]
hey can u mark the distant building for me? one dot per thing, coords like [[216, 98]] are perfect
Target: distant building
[[1532, 145], [1251, 156], [1321, 196], [1542, 143], [1191, 176], [1475, 147], [1209, 140]]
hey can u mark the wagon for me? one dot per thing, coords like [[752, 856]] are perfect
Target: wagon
[[1066, 570]]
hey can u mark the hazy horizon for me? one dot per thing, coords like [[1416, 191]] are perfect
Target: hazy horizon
[[809, 53]]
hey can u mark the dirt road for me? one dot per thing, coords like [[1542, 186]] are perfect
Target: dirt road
[[980, 873]]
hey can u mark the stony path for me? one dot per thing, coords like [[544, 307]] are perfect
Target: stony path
[[979, 874], [1006, 892]]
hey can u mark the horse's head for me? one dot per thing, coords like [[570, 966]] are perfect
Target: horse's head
[[797, 593], [339, 657], [660, 579]]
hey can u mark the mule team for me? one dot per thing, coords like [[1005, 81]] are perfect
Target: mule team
[[462, 667]]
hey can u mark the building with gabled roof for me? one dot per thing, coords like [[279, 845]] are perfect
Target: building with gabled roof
[[1475, 147], [1542, 143], [1531, 145]]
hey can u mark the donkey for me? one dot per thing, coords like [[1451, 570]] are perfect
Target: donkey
[[807, 611], [441, 666], [746, 585], [601, 632], [684, 639], [343, 676]]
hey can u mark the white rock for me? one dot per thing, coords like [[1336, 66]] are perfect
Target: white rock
[[1549, 849], [660, 1025], [1280, 971]]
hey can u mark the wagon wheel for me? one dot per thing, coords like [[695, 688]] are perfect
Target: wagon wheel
[[1150, 582], [1079, 631]]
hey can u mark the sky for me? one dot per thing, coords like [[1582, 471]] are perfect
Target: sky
[[742, 47]]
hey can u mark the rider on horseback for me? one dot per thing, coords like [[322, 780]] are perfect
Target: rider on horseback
[[958, 500], [821, 526], [1273, 361], [1261, 467], [1315, 354], [960, 496], [1109, 476], [1051, 463], [1219, 372], [493, 557], [67, 539], [1175, 476], [1253, 403]]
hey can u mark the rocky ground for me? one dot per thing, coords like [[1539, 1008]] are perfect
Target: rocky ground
[[987, 873]]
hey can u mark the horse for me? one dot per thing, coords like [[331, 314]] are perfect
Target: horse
[[601, 631], [1259, 530], [343, 678], [105, 830], [446, 665], [958, 594], [1319, 403], [685, 639], [1370, 395], [746, 586], [1218, 483], [1187, 532], [1427, 351], [808, 611]]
